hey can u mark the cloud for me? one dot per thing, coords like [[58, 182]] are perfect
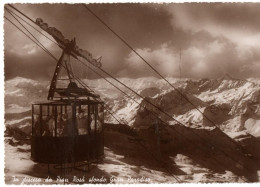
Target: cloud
[[200, 60], [215, 38], [19, 44], [164, 58], [236, 22], [139, 24], [231, 31]]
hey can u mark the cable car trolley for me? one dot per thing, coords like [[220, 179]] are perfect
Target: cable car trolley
[[68, 128]]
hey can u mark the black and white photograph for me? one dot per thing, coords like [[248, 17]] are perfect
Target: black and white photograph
[[131, 93]]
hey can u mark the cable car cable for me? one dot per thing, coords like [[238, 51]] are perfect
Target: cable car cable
[[21, 13]]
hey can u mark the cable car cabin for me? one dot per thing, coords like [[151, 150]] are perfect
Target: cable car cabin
[[67, 131], [69, 127]]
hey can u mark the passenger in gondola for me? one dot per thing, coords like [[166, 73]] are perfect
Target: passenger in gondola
[[82, 123], [96, 127], [45, 126], [92, 123], [51, 125], [60, 125], [100, 119], [70, 129], [99, 125], [37, 126]]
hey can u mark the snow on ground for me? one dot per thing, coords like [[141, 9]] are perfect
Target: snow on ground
[[113, 170], [232, 125], [130, 109], [230, 93], [253, 127], [192, 117], [19, 165], [198, 174]]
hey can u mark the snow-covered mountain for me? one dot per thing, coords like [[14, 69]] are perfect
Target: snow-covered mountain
[[232, 105]]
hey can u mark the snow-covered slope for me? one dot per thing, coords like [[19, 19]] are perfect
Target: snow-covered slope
[[233, 106]]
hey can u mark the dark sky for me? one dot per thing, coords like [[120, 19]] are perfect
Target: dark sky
[[214, 39]]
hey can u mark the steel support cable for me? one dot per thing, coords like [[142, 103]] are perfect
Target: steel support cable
[[114, 117], [21, 13], [176, 120], [125, 93]]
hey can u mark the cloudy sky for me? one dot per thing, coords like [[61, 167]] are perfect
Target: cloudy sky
[[214, 39]]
